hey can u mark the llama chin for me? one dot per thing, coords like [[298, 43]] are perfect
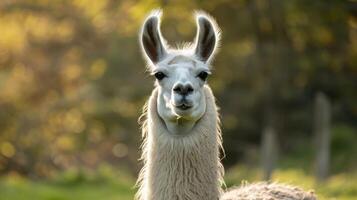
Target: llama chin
[[181, 154]]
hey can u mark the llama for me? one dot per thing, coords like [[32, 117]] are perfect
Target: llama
[[181, 126]]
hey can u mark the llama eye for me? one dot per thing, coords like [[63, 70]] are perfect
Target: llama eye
[[159, 75], [203, 75]]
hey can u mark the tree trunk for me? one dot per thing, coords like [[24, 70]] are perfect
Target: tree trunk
[[266, 63]]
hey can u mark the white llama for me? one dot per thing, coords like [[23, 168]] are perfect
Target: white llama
[[181, 127]]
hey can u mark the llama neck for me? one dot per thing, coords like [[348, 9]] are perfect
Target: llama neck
[[184, 168]]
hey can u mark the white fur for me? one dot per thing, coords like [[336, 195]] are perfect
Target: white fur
[[267, 191]]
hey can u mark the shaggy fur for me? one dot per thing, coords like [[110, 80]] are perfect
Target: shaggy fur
[[185, 167], [272, 191]]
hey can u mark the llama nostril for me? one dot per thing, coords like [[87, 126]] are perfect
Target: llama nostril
[[189, 89], [178, 89]]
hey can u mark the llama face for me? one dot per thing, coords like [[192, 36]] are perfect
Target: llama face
[[180, 73], [180, 81]]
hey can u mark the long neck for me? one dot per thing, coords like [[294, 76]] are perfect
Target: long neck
[[185, 168]]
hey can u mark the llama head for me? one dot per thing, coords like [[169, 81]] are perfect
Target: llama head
[[180, 73]]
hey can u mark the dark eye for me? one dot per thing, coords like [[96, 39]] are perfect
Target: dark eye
[[159, 76], [203, 75]]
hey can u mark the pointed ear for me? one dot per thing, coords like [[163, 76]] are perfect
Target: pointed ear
[[207, 38], [150, 38]]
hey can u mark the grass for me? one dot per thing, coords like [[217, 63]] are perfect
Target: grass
[[71, 185], [110, 186], [23, 190]]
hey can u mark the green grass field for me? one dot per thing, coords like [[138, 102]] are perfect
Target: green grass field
[[105, 184], [25, 190], [74, 186]]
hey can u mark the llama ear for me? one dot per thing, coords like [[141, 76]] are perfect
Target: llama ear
[[151, 40], [207, 38]]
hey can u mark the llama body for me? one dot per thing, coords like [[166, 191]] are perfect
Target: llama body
[[181, 128]]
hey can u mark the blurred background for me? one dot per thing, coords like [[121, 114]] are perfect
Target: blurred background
[[73, 83]]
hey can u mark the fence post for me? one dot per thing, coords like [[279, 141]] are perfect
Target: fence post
[[269, 152], [322, 136]]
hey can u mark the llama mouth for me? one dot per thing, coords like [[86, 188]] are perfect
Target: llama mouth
[[184, 107]]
